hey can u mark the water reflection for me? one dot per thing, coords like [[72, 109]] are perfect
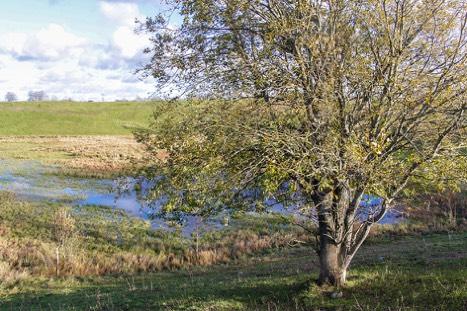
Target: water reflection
[[33, 181]]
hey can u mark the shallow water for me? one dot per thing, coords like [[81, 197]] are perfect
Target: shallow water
[[31, 180]]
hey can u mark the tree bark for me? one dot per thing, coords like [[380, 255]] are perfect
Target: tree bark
[[332, 267], [332, 208]]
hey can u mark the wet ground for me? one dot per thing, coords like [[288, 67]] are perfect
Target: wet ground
[[31, 180]]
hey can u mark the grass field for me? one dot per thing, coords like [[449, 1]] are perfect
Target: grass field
[[110, 260], [111, 263], [83, 156], [409, 273], [84, 139], [73, 118]]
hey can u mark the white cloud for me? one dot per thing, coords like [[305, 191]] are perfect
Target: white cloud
[[13, 42], [129, 43], [122, 13], [68, 79], [66, 65], [56, 38], [17, 74], [48, 43]]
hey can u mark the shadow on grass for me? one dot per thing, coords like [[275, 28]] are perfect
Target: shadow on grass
[[422, 273], [214, 290], [396, 286]]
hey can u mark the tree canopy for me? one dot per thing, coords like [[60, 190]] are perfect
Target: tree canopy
[[312, 102], [10, 97]]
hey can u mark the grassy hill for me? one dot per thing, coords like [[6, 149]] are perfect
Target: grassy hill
[[73, 118]]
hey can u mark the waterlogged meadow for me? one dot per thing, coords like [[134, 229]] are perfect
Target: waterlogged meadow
[[77, 233], [303, 155], [81, 156]]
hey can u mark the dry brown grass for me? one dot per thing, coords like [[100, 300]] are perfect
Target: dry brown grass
[[30, 235], [20, 258], [76, 155]]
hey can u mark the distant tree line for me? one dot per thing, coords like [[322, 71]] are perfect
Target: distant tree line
[[37, 96], [10, 97], [33, 96]]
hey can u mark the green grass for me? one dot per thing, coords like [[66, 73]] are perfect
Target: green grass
[[391, 272], [73, 118], [407, 273], [412, 272], [104, 242]]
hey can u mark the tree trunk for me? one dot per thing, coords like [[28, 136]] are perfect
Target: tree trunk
[[332, 266], [331, 218]]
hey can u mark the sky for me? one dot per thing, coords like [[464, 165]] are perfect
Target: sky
[[79, 49]]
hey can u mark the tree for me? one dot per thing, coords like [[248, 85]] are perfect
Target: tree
[[323, 104], [11, 97], [37, 96]]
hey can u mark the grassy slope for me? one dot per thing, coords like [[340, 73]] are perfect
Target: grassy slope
[[73, 118], [409, 273]]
